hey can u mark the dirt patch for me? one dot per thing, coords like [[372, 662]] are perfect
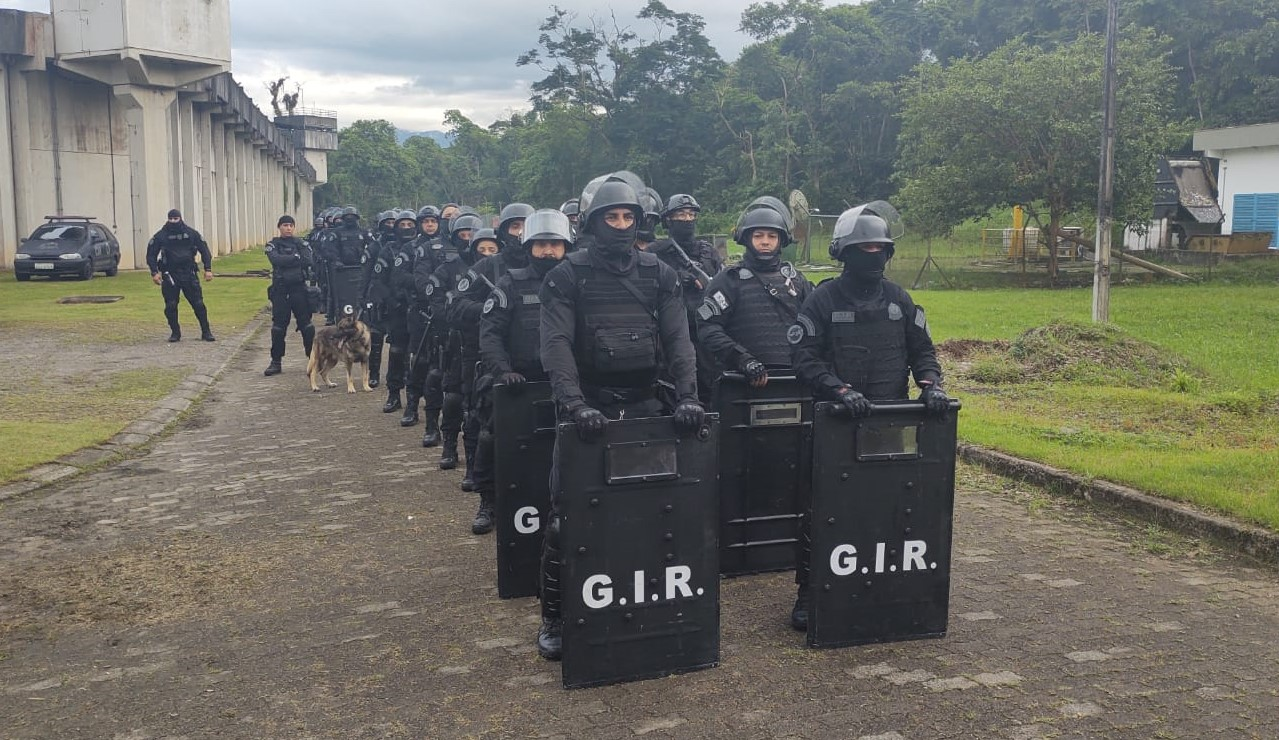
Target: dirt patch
[[137, 585], [963, 349]]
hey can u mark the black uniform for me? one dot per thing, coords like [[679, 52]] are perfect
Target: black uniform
[[441, 290], [397, 255], [171, 254], [291, 262], [702, 254], [345, 248], [427, 371], [746, 312]]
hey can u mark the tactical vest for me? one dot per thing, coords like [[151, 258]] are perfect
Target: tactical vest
[[523, 339], [617, 342], [289, 274], [402, 261], [868, 349], [177, 251], [350, 246], [760, 319]]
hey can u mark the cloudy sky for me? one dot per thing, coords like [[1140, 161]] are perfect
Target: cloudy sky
[[408, 62]]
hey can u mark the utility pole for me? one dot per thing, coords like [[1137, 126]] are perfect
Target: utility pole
[[1106, 181]]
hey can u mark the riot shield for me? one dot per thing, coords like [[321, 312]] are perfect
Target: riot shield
[[344, 287], [523, 445], [638, 523], [882, 503], [765, 455]]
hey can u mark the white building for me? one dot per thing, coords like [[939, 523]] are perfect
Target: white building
[[123, 109], [1248, 176]]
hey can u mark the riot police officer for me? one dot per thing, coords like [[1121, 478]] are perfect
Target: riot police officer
[[291, 264], [646, 234], [429, 365], [425, 247], [171, 257], [747, 310], [392, 292], [695, 261], [571, 208], [859, 337], [612, 316], [509, 346]]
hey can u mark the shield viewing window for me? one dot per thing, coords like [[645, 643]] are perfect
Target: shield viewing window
[[776, 414], [887, 442], [640, 462]]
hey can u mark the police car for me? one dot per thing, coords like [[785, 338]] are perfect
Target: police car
[[68, 245]]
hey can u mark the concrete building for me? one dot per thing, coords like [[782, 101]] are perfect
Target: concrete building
[[1247, 176], [123, 109]]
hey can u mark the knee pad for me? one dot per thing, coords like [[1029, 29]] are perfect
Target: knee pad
[[308, 331], [278, 333], [453, 404]]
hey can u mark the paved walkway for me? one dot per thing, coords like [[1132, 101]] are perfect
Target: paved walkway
[[292, 565]]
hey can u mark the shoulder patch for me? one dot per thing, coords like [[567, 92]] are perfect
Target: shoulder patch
[[378, 267], [744, 273], [788, 271], [399, 261], [720, 298], [429, 289], [499, 296], [808, 324], [894, 312], [795, 334], [922, 321], [464, 285], [488, 305], [704, 312]]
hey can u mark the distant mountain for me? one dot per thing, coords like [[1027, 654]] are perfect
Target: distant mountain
[[441, 138]]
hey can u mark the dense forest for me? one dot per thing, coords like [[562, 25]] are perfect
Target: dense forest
[[949, 107]]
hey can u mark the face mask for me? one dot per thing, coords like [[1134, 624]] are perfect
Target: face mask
[[865, 267], [542, 265], [613, 242], [173, 227], [406, 232], [764, 263], [351, 220], [459, 243], [682, 231]]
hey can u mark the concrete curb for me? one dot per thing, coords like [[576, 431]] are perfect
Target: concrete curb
[[155, 422], [1255, 541]]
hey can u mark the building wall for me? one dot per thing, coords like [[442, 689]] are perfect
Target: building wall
[[1242, 172]]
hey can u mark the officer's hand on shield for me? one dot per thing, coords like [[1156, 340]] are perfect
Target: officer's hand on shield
[[935, 399], [689, 416], [511, 379], [754, 370], [853, 402], [590, 423]]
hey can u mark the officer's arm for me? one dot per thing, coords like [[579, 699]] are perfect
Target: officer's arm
[[672, 321], [470, 302], [494, 323], [439, 295], [307, 255], [712, 318], [558, 333], [422, 278], [274, 257], [920, 352], [807, 339], [153, 256], [366, 271], [203, 248]]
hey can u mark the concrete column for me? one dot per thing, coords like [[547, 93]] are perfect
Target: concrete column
[[146, 112], [190, 161], [204, 178], [232, 214], [244, 206], [8, 191]]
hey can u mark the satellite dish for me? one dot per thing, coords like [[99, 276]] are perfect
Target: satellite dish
[[798, 205]]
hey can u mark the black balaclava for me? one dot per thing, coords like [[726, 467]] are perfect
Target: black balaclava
[[540, 265], [405, 231], [682, 231], [459, 244], [759, 262], [386, 226], [512, 250], [865, 268], [173, 227], [351, 220], [615, 246]]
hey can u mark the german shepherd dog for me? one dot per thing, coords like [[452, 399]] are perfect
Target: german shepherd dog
[[346, 341]]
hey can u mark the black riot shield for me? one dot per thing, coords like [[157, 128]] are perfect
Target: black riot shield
[[344, 287], [882, 503], [765, 456], [524, 442], [638, 523]]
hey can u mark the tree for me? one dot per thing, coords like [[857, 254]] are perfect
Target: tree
[[1022, 126]]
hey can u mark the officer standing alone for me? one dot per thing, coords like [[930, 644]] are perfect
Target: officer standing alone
[[859, 337], [171, 257], [612, 322], [291, 263]]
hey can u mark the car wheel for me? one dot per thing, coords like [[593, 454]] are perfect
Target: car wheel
[[87, 273], [114, 268], [22, 276]]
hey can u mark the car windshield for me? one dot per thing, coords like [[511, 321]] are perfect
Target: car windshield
[[54, 232]]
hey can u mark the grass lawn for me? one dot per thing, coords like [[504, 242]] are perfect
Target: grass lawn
[[1205, 432], [44, 416]]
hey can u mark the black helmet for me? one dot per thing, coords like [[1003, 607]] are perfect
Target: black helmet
[[549, 224], [465, 222], [350, 211], [770, 203], [386, 216], [651, 201], [512, 212], [761, 218], [428, 212], [680, 201], [570, 207], [479, 235], [406, 215], [871, 223], [608, 195]]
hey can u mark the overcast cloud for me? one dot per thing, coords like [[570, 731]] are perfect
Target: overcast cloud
[[408, 62]]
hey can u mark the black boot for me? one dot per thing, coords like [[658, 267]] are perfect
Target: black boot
[[375, 359], [202, 315], [272, 369], [175, 336], [392, 401], [207, 336], [468, 478], [483, 523], [799, 612], [550, 640], [550, 643], [448, 453], [431, 437], [411, 400]]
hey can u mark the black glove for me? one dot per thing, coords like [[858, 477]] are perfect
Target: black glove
[[511, 379], [590, 423], [753, 369], [935, 399], [853, 402], [689, 416]]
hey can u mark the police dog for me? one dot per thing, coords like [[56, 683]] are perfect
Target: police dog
[[346, 341]]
